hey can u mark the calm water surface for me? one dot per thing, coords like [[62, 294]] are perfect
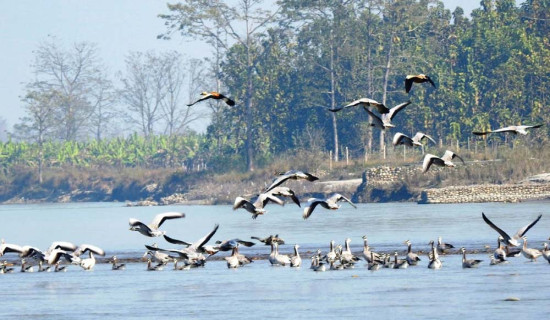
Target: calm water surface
[[261, 291]]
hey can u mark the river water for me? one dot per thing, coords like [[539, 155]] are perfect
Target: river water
[[261, 291]]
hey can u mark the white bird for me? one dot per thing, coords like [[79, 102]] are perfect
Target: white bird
[[256, 207], [469, 263], [513, 129], [284, 192], [330, 203], [291, 174], [367, 253], [296, 260], [444, 161], [385, 121], [511, 241], [530, 253], [412, 258], [193, 253], [364, 102], [400, 138], [88, 263], [152, 229], [434, 263], [346, 256], [279, 259]]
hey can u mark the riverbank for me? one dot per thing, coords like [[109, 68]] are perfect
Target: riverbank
[[472, 183]]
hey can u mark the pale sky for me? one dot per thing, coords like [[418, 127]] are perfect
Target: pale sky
[[116, 26]]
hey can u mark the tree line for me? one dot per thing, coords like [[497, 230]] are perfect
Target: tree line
[[286, 63]]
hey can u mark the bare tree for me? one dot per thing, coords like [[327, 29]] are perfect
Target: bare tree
[[40, 122], [74, 74], [143, 90], [104, 111], [176, 115]]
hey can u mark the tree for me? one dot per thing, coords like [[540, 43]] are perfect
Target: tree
[[40, 122], [144, 89], [76, 75], [200, 20]]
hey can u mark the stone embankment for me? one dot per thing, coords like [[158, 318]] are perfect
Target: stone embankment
[[486, 193]]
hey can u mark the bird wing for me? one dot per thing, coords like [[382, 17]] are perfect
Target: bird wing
[[8, 247], [338, 197], [227, 100], [63, 245], [430, 81], [312, 203], [497, 229], [279, 181], [481, 133], [245, 243], [521, 232], [430, 159], [180, 253], [176, 241], [420, 135], [382, 109], [533, 127], [266, 198], [376, 121], [397, 108], [507, 129], [134, 223], [335, 109], [88, 247], [408, 83], [449, 155], [208, 96], [400, 138], [202, 241], [239, 202], [161, 217]]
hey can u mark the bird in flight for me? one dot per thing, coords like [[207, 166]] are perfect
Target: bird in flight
[[444, 161], [512, 129], [213, 95], [418, 78], [364, 102]]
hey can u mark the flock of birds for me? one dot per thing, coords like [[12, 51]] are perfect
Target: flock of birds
[[192, 255]]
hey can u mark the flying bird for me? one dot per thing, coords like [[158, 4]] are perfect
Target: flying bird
[[385, 121], [291, 174], [511, 241], [364, 102], [512, 129], [152, 229], [284, 192], [400, 138], [330, 203], [214, 95], [419, 78], [256, 207], [444, 161]]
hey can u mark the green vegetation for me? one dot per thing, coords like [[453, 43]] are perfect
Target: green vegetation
[[291, 65]]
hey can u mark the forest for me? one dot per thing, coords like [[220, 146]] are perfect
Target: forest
[[286, 64]]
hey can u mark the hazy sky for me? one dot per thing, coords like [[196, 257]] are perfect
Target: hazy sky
[[116, 26]]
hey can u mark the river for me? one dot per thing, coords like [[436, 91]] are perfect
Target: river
[[261, 291]]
